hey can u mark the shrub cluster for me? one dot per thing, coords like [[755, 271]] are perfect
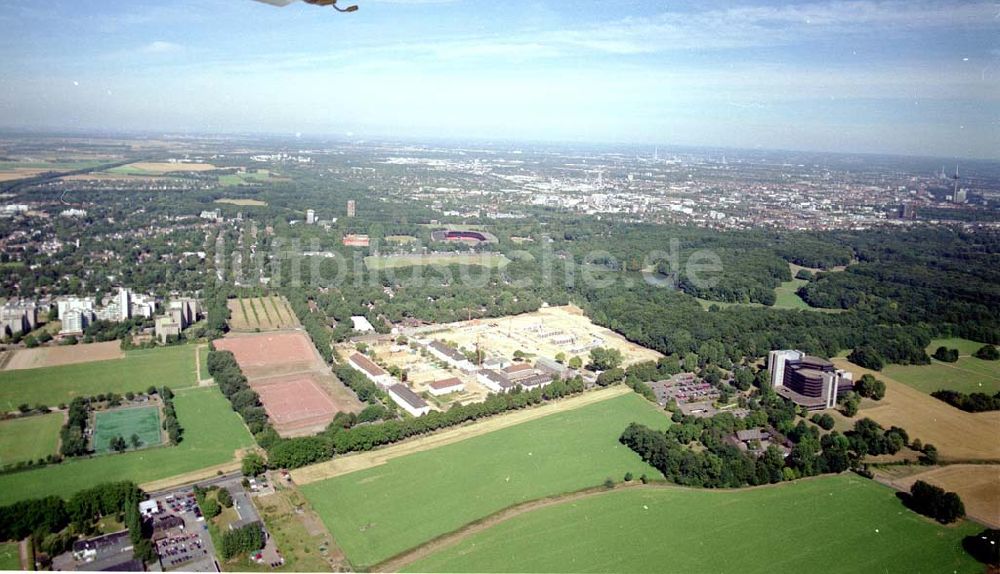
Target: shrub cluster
[[241, 540], [933, 501]]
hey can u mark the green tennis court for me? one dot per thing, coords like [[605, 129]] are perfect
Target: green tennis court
[[141, 421]]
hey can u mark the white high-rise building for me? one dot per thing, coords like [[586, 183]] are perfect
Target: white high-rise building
[[75, 313], [310, 216], [143, 306], [124, 304], [776, 364]]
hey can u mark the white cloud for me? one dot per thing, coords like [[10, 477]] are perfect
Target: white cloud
[[161, 47]]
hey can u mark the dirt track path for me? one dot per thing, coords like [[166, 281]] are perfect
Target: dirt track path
[[197, 368], [351, 463], [196, 475], [25, 555]]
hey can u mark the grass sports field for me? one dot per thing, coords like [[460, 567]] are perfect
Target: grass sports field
[[968, 375], [212, 434], [142, 421], [171, 366], [381, 511], [10, 556], [490, 260], [769, 529], [230, 180], [29, 438]]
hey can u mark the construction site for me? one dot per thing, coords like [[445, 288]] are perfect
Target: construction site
[[463, 362]]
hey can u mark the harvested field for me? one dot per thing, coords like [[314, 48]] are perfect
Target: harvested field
[[296, 404], [108, 176], [63, 355], [156, 168], [958, 435], [271, 353], [20, 173], [261, 314], [977, 484], [243, 202]]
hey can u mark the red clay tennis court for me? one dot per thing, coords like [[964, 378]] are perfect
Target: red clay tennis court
[[270, 352], [295, 402]]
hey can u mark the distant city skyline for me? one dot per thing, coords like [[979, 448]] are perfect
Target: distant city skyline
[[902, 78]]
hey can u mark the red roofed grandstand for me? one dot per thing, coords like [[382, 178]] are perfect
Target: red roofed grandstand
[[463, 235]]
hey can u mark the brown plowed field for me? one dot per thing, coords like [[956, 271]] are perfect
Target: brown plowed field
[[63, 355], [270, 354]]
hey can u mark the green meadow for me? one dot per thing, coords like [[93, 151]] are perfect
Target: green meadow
[[29, 438], [831, 524], [381, 511], [212, 434], [170, 366], [967, 375]]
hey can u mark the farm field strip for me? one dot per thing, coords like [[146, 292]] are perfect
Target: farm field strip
[[213, 435], [384, 510], [243, 202], [256, 316], [267, 313], [63, 355], [642, 529]]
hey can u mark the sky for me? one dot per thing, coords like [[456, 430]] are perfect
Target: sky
[[899, 77]]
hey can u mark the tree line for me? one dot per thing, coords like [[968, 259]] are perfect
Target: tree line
[[971, 403], [54, 523]]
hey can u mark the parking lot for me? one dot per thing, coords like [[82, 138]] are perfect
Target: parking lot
[[181, 535]]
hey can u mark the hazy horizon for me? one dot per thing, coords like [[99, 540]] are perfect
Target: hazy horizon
[[897, 78]]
